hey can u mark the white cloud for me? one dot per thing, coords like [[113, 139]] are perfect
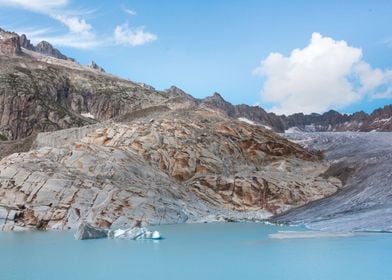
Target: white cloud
[[36, 5], [124, 35], [74, 24], [376, 83], [56, 9], [81, 34], [326, 74], [73, 40], [129, 11]]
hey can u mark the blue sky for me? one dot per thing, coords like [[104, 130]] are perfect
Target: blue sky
[[226, 46]]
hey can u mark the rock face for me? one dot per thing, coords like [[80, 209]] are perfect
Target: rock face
[[363, 161], [9, 43], [12, 44], [180, 166], [216, 158], [39, 96], [25, 43]]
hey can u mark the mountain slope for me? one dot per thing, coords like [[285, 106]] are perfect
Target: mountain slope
[[188, 165], [42, 93]]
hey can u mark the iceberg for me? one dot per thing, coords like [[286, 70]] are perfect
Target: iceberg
[[87, 231], [135, 233]]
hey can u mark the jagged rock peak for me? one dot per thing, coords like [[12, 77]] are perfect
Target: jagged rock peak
[[217, 96], [176, 91], [46, 48], [218, 100], [25, 43], [11, 44], [93, 65]]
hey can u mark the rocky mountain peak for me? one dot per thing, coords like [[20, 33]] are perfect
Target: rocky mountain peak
[[11, 44], [175, 91], [216, 101], [383, 113], [218, 97], [93, 65], [361, 115], [46, 48], [25, 43]]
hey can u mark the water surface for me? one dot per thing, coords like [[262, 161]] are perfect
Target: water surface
[[201, 251]]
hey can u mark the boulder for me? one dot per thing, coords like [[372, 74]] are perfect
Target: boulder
[[87, 231]]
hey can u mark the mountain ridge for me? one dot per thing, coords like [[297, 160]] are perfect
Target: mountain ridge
[[379, 120]]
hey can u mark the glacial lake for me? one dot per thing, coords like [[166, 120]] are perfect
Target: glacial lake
[[196, 251]]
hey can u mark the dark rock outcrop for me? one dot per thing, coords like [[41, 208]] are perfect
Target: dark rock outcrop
[[25, 43], [95, 66], [47, 49]]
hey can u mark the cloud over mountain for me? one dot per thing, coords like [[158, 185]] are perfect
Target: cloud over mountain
[[325, 74]]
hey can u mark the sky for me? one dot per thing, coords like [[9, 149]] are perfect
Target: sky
[[285, 56]]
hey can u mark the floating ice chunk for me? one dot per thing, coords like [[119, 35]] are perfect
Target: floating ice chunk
[[308, 234], [131, 233], [134, 234], [156, 235]]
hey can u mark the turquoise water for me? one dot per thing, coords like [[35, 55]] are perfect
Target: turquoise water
[[203, 251]]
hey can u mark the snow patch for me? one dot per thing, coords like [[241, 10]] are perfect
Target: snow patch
[[382, 120], [88, 115], [246, 120]]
